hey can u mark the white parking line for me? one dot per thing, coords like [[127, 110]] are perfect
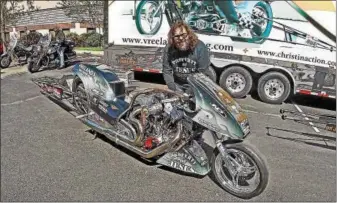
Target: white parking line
[[305, 117], [21, 101]]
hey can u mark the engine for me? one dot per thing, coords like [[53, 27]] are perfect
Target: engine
[[153, 119], [202, 17]]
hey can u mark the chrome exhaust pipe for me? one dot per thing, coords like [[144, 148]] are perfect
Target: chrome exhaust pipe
[[121, 140]]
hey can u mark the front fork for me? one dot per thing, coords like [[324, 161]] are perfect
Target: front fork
[[230, 162]]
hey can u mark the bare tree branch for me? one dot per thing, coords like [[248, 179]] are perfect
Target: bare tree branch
[[11, 11]]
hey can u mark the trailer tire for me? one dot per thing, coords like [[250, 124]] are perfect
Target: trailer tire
[[280, 85], [238, 76]]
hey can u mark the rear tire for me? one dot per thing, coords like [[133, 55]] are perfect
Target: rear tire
[[273, 88], [237, 81], [79, 97]]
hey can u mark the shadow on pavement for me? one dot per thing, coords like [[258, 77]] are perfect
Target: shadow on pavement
[[150, 77], [121, 148], [315, 102], [312, 137]]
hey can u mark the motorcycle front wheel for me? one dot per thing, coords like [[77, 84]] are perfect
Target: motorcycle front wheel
[[33, 67], [245, 179], [5, 61], [145, 17]]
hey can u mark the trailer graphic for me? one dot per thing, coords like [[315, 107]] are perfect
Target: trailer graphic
[[250, 50]]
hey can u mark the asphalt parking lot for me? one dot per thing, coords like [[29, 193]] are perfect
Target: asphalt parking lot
[[48, 155]]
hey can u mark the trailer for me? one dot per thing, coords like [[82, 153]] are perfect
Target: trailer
[[277, 58]]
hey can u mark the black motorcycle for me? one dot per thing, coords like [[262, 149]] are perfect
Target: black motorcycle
[[46, 54], [17, 51]]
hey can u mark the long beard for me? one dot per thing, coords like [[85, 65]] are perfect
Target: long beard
[[184, 45]]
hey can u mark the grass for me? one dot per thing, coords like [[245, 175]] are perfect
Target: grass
[[89, 48]]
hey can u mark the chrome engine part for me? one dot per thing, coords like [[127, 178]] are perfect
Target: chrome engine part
[[151, 119]]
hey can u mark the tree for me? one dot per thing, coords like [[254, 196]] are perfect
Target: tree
[[11, 11], [106, 23], [84, 11], [107, 3]]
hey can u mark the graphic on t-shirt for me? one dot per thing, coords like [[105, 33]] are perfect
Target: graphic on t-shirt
[[183, 66]]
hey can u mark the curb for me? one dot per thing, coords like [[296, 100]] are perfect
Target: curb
[[13, 71], [97, 53]]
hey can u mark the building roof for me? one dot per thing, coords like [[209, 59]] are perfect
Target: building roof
[[46, 16]]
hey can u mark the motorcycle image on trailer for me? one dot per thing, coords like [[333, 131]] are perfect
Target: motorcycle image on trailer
[[232, 18], [161, 125], [253, 49]]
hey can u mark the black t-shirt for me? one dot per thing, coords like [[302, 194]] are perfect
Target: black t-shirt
[[178, 65]]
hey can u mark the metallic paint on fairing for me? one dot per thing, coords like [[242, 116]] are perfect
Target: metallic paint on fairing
[[234, 123], [96, 79]]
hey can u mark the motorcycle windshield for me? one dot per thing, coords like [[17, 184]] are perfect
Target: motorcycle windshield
[[211, 97]]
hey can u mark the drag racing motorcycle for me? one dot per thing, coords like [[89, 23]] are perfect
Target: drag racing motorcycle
[[160, 125], [249, 21], [16, 52], [46, 55]]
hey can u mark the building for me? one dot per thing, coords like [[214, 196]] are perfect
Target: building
[[45, 20]]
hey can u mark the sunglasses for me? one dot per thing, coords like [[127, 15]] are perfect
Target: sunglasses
[[181, 36]]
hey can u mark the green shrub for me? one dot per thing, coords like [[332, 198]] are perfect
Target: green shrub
[[83, 38], [86, 39], [94, 40], [75, 38]]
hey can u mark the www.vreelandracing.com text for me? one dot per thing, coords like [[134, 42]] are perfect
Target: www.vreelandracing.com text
[[230, 48]]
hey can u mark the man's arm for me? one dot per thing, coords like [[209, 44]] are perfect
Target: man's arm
[[203, 58], [168, 71]]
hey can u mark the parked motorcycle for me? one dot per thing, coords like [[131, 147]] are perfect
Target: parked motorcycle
[[241, 21], [46, 54], [16, 51], [161, 125]]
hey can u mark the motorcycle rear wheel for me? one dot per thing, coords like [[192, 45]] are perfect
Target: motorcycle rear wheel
[[261, 174], [138, 19], [80, 97]]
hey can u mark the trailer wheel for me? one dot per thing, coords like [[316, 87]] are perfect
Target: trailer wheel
[[237, 81], [273, 88]]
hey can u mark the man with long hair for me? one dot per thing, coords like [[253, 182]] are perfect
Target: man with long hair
[[184, 54]]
